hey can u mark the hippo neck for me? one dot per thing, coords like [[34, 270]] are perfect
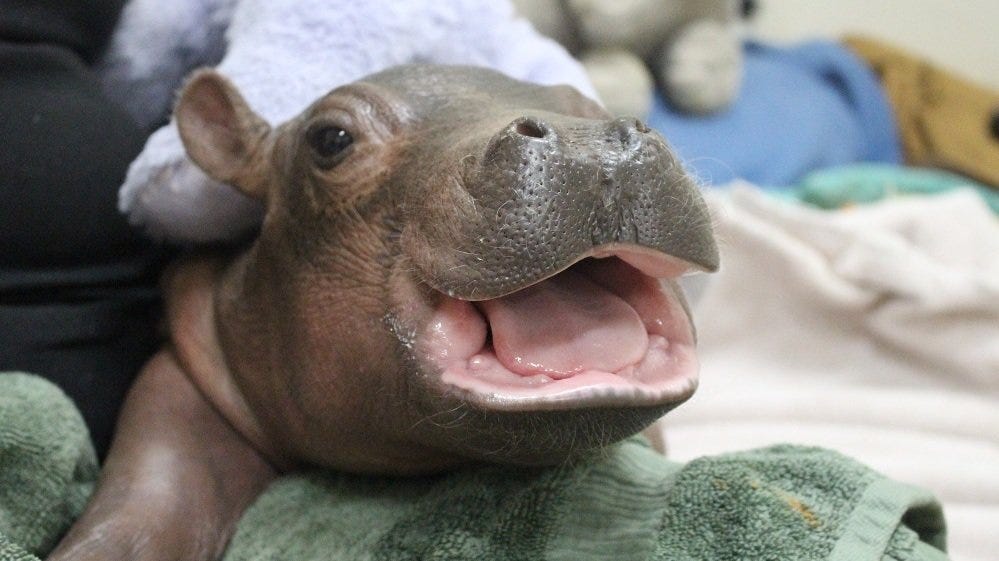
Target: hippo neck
[[191, 298], [252, 381]]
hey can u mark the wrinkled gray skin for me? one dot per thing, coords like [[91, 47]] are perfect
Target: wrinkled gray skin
[[302, 348], [543, 187]]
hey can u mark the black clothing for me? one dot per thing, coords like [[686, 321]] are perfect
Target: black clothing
[[78, 297], [81, 26]]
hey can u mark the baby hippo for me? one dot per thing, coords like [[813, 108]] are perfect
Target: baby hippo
[[453, 267]]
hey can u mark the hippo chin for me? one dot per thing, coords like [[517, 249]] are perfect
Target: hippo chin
[[454, 266]]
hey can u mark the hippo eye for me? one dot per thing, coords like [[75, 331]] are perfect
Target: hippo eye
[[330, 143]]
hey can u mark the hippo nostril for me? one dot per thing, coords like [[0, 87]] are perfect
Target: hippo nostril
[[630, 125], [629, 130], [530, 127]]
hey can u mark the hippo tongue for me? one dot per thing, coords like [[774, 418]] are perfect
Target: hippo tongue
[[565, 325]]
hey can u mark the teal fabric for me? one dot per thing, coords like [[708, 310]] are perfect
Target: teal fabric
[[628, 503], [866, 183]]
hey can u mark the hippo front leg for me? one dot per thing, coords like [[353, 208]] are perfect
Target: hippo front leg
[[177, 479]]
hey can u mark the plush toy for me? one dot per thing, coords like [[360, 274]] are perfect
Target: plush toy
[[691, 49], [283, 54], [943, 119]]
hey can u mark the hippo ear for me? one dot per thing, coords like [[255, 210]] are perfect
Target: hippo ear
[[221, 134]]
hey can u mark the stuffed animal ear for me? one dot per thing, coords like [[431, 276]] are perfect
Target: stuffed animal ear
[[221, 134]]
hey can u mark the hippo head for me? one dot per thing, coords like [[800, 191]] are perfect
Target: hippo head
[[453, 266]]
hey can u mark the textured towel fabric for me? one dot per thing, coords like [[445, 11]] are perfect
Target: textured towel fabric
[[47, 465], [872, 330], [801, 108], [633, 504], [629, 503], [283, 55]]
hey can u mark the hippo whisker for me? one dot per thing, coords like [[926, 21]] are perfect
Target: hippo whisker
[[430, 419]]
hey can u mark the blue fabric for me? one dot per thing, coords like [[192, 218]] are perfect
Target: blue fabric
[[801, 108]]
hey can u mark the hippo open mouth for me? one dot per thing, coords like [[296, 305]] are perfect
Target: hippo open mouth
[[610, 329], [551, 240]]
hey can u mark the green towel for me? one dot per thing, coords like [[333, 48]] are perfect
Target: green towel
[[47, 465], [778, 503]]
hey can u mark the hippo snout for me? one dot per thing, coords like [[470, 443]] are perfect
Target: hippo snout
[[549, 190], [616, 139]]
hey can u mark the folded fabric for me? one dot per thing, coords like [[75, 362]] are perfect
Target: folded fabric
[[632, 504], [801, 108], [629, 503], [872, 330], [283, 55], [866, 183]]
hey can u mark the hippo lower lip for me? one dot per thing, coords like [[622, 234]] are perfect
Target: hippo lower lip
[[601, 333]]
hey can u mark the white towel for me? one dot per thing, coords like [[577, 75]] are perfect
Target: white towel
[[873, 331], [284, 54]]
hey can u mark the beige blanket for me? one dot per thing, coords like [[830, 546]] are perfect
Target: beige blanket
[[873, 331]]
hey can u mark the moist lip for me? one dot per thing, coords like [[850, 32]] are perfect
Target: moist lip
[[461, 344]]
